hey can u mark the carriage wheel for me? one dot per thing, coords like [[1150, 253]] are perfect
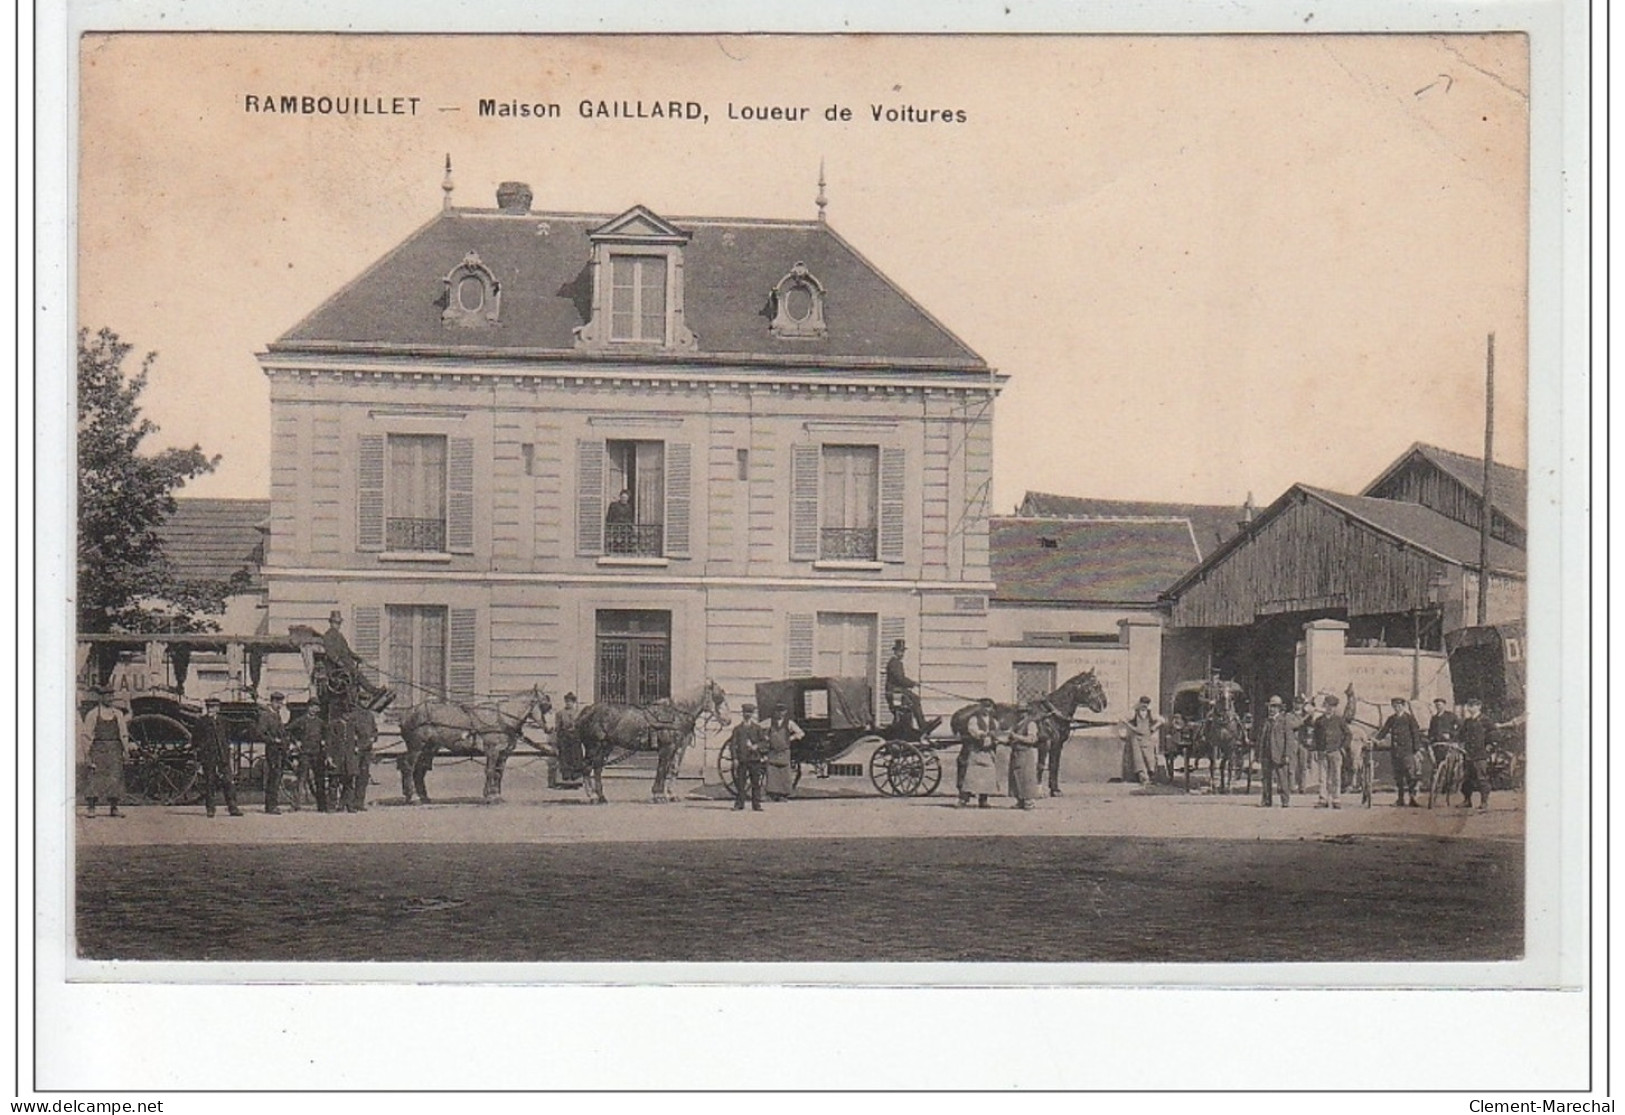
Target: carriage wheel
[[879, 765], [725, 770], [166, 768], [911, 770]]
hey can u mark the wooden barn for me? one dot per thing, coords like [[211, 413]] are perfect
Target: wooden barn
[[1393, 576]]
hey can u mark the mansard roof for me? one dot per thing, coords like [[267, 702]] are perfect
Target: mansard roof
[[542, 261]]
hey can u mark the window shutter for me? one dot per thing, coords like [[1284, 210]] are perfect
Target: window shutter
[[589, 498], [460, 495], [804, 468], [798, 644], [893, 485], [368, 622], [679, 475], [460, 654], [892, 628], [369, 488]]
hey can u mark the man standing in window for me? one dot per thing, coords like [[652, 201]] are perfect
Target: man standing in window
[[900, 691], [620, 512]]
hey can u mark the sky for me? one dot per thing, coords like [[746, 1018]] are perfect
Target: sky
[[1210, 266]]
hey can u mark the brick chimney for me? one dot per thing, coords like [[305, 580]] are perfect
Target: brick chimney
[[513, 197]]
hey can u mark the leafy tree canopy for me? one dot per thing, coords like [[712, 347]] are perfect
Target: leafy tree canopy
[[126, 583]]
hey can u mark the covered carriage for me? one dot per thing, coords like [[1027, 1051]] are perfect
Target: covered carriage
[[1190, 730], [1489, 663], [834, 713]]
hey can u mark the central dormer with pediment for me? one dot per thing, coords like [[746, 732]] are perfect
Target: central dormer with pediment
[[637, 286]]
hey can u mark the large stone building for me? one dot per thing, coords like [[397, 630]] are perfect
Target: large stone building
[[804, 451]]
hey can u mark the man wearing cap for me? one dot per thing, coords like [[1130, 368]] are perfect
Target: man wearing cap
[[271, 729], [1140, 744], [1444, 727], [1477, 734], [1404, 736], [750, 759], [1331, 742], [901, 691], [1304, 763], [104, 736], [1277, 747], [214, 754]]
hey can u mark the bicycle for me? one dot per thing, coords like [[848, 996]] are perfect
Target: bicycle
[[1448, 772]]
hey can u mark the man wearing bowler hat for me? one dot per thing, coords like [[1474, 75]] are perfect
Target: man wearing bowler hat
[[214, 755], [901, 691], [1277, 745]]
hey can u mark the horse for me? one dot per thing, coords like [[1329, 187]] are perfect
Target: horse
[[493, 728], [1224, 738], [665, 726], [1053, 712]]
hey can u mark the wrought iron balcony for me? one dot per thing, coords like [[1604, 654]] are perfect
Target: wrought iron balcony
[[634, 539], [847, 544], [407, 535]]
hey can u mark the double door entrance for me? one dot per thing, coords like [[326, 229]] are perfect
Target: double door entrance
[[633, 657]]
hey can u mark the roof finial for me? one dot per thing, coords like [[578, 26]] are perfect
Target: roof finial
[[447, 185], [822, 200]]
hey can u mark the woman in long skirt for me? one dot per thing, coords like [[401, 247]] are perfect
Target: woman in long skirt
[[105, 736], [782, 732], [1024, 762]]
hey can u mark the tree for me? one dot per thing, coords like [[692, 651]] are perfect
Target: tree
[[126, 583]]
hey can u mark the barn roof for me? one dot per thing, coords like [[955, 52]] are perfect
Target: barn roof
[[211, 539], [1077, 561], [542, 261], [1509, 487], [1210, 524], [1425, 529]]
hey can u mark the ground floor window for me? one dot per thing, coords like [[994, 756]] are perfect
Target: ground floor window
[[415, 648], [846, 645], [633, 656], [1033, 680]]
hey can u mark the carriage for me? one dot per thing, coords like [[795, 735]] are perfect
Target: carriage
[[1210, 719], [834, 715], [151, 671], [1488, 663]]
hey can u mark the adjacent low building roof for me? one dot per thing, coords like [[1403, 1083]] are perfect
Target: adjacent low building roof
[[211, 539], [1210, 524], [1101, 561], [542, 261]]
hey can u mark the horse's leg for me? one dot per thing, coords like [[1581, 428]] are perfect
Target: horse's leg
[[420, 770], [404, 766], [662, 765]]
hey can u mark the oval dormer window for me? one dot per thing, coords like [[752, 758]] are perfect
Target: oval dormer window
[[471, 297], [798, 305], [470, 294]]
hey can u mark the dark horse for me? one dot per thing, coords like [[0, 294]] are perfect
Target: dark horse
[[1054, 713], [1219, 735], [666, 727], [493, 728]]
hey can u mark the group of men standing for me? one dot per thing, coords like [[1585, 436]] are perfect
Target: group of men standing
[[762, 756], [1294, 748]]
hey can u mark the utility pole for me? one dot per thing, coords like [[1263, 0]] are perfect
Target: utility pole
[[1488, 505]]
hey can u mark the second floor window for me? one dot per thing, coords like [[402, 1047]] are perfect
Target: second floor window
[[633, 498], [635, 482], [415, 519], [848, 507], [638, 298]]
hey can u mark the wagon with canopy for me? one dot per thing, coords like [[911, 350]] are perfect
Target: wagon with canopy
[[1489, 663], [834, 713]]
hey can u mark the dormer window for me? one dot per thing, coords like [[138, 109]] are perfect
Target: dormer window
[[637, 298], [473, 297], [798, 304], [637, 286]]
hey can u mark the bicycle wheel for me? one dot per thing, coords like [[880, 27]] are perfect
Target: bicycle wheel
[[1446, 777]]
